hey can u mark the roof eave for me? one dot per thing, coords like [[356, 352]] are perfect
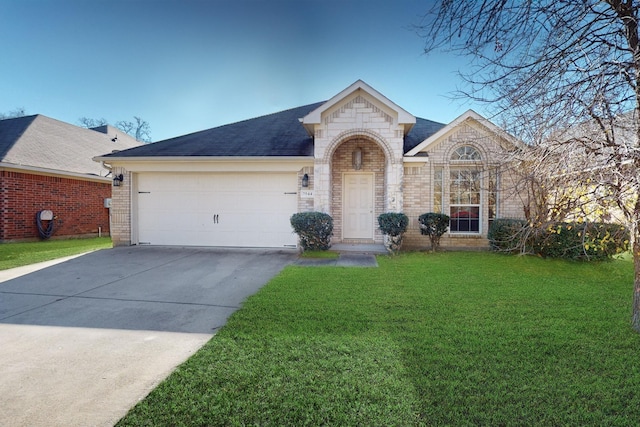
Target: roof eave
[[108, 159], [53, 172], [468, 115]]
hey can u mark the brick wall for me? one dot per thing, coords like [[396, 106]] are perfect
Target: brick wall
[[418, 188], [77, 204], [305, 204]]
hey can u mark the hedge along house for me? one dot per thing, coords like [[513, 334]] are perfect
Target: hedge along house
[[354, 157], [46, 164]]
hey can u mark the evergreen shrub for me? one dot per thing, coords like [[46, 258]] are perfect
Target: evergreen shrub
[[434, 225], [314, 230]]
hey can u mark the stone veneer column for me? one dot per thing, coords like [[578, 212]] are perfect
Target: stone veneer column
[[322, 186], [395, 176], [121, 210]]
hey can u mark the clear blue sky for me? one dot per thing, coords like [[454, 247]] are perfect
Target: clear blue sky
[[185, 65]]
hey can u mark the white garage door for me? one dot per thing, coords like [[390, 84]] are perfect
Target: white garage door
[[216, 209]]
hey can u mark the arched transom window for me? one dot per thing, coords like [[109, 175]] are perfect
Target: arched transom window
[[464, 192], [466, 152]]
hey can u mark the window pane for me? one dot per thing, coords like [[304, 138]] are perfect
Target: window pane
[[464, 187], [466, 152], [465, 219], [493, 194], [437, 190]]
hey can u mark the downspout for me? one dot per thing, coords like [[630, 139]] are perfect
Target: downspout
[[110, 169]]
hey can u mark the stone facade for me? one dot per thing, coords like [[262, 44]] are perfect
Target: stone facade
[[420, 185], [121, 210], [373, 161], [414, 182], [78, 205], [402, 183]]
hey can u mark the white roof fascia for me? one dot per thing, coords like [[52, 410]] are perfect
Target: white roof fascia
[[468, 115], [211, 164], [112, 159], [419, 159], [54, 172]]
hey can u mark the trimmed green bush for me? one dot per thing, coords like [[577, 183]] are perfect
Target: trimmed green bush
[[314, 230], [507, 235], [580, 241], [434, 225], [567, 240], [393, 225]]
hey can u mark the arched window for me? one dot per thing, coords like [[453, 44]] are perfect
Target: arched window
[[466, 152], [464, 191]]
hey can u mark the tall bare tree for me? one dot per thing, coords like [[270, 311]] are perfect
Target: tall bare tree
[[564, 76], [138, 128], [17, 112], [89, 123]]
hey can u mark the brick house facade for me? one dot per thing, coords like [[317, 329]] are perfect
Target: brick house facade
[[78, 205], [46, 164], [355, 156]]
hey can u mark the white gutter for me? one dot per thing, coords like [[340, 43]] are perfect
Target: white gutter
[[54, 172], [204, 158]]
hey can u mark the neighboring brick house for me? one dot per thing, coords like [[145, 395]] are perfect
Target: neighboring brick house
[[46, 164], [354, 157]]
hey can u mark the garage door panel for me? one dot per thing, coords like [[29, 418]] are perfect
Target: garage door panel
[[208, 209]]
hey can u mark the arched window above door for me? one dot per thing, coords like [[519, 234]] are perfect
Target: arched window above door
[[466, 152]]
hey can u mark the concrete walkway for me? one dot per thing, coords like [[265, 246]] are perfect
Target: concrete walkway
[[345, 259]]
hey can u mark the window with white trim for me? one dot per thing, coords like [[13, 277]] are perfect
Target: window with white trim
[[465, 184], [466, 152]]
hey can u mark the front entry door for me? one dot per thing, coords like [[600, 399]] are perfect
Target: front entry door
[[357, 206]]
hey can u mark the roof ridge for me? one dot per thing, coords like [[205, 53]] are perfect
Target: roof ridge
[[270, 114]]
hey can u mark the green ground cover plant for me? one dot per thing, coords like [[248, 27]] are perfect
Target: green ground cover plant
[[19, 254], [425, 339]]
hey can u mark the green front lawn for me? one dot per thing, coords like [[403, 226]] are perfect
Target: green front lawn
[[19, 254], [425, 339]]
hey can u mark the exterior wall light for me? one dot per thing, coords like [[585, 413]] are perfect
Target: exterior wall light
[[305, 180], [356, 158], [117, 180]]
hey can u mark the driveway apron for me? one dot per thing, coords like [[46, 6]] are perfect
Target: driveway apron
[[82, 341]]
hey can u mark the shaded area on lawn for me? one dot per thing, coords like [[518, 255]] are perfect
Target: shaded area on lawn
[[445, 338]]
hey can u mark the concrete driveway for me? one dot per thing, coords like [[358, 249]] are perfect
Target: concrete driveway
[[82, 341]]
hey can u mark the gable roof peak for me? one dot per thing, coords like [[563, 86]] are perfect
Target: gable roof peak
[[464, 117], [315, 116]]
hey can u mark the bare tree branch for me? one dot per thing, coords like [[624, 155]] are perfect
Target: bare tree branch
[[564, 77]]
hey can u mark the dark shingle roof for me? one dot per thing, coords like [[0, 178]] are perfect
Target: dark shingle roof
[[273, 135], [278, 134], [422, 130]]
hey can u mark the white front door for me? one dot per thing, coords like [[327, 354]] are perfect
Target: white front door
[[357, 206]]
